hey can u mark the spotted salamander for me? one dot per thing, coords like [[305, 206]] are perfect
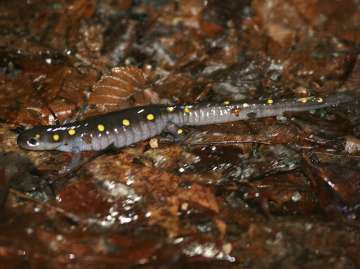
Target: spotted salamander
[[125, 127]]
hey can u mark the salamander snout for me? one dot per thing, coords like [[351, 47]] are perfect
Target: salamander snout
[[36, 139]]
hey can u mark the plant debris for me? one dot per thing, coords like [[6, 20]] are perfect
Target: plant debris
[[263, 193]]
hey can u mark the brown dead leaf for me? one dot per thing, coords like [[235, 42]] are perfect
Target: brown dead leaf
[[124, 87], [201, 196]]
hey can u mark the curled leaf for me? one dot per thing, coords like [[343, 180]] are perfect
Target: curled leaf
[[123, 87]]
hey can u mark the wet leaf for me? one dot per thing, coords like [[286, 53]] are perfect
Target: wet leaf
[[122, 88], [262, 193]]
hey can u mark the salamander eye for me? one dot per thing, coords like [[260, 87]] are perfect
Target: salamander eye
[[33, 142]]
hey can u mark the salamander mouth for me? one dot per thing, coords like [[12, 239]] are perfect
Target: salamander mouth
[[22, 141]]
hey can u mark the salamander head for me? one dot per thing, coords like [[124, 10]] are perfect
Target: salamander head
[[38, 138]]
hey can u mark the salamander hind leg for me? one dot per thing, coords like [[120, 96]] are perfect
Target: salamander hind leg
[[173, 133]]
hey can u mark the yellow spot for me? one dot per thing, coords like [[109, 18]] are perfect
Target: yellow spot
[[303, 100], [187, 109], [126, 122], [180, 131], [226, 102], [320, 100], [101, 127], [71, 132], [170, 109], [150, 116], [270, 101], [56, 137], [37, 136]]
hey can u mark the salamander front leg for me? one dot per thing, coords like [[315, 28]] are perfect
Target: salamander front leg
[[75, 161]]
